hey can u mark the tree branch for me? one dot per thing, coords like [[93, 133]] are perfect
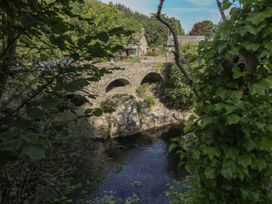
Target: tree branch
[[176, 44], [224, 18]]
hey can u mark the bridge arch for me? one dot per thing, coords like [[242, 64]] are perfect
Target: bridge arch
[[152, 77], [120, 82]]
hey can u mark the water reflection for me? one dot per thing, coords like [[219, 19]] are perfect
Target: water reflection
[[142, 170]]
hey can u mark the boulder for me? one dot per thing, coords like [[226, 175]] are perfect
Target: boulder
[[127, 119]]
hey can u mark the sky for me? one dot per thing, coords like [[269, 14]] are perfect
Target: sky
[[187, 11]]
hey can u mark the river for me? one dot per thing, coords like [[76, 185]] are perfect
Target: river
[[141, 171]]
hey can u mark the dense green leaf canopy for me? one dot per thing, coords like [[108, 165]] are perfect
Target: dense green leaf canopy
[[230, 157]]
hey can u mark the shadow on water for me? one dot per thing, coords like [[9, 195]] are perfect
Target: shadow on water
[[141, 169]]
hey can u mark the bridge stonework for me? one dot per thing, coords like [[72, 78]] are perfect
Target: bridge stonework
[[127, 78]]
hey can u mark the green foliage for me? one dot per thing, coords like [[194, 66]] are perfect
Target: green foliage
[[150, 101], [55, 179], [156, 34], [176, 197], [142, 90], [205, 28], [230, 157], [46, 47], [65, 33], [154, 52], [159, 66], [175, 92]]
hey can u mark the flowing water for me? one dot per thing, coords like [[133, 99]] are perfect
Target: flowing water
[[143, 170]]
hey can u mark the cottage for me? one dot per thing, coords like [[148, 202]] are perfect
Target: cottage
[[139, 50]]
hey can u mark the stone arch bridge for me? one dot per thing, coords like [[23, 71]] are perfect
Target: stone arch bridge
[[127, 77]]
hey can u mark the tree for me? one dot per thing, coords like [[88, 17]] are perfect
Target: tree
[[205, 28], [228, 156], [42, 43], [155, 33]]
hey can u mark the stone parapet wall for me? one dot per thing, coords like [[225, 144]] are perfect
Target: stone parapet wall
[[134, 73]]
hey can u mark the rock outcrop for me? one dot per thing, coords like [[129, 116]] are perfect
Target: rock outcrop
[[132, 116]]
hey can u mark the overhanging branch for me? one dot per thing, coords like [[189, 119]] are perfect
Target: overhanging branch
[[176, 44], [224, 18]]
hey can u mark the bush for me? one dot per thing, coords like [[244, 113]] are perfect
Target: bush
[[154, 52], [175, 93], [150, 101], [142, 90], [159, 66]]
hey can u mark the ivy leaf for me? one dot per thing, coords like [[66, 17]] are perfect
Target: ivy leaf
[[209, 173], [196, 154], [227, 173], [226, 5], [259, 163], [187, 129], [228, 169], [259, 17], [249, 145], [250, 46], [245, 160], [211, 152], [190, 168], [231, 152], [207, 121], [265, 144], [233, 119], [237, 73], [260, 87]]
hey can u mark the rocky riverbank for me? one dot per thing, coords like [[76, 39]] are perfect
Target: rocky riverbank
[[132, 116]]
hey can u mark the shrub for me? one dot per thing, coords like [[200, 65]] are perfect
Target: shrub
[[142, 90], [154, 52], [150, 101], [159, 66], [175, 93]]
